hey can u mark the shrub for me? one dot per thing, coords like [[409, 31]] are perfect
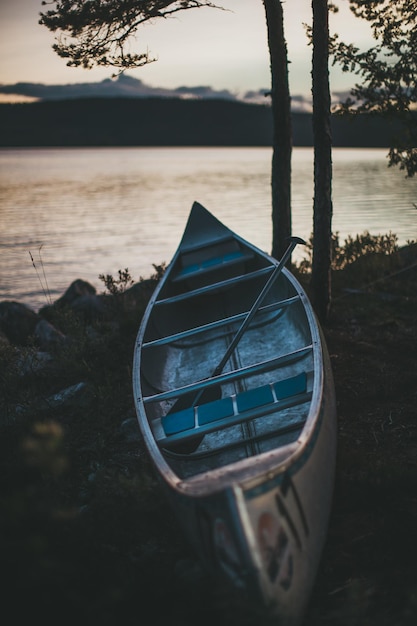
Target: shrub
[[352, 249]]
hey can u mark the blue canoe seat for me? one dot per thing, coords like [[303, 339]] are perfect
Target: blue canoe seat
[[247, 400], [213, 263], [214, 411], [228, 411], [181, 421]]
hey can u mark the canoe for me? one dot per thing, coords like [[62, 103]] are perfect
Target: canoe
[[235, 401]]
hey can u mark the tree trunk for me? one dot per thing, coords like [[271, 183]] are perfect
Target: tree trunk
[[282, 131], [322, 220]]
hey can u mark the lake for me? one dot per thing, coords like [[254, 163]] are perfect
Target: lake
[[81, 212]]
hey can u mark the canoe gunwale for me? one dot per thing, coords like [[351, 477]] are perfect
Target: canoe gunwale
[[257, 512], [274, 461]]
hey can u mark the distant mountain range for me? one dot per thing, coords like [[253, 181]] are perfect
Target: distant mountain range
[[168, 121], [125, 86]]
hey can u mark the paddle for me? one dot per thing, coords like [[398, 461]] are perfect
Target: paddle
[[213, 393], [276, 272]]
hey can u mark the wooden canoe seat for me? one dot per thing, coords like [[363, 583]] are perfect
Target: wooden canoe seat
[[229, 411], [213, 263]]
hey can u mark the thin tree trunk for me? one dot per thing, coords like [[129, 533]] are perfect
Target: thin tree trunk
[[322, 220], [282, 131]]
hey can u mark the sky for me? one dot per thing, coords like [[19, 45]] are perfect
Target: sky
[[220, 49]]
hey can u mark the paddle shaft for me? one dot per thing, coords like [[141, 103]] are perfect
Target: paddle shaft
[[276, 272], [273, 277]]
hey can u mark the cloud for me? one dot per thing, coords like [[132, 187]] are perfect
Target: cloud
[[341, 96], [12, 98], [299, 104], [123, 87], [204, 92], [261, 96]]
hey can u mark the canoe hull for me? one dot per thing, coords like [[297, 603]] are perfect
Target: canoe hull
[[265, 538], [251, 480]]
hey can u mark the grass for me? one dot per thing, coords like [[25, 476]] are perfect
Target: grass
[[86, 533]]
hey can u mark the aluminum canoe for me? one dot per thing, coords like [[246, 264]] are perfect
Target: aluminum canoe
[[247, 453]]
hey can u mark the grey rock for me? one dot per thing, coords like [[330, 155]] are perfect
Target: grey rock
[[47, 336], [17, 322]]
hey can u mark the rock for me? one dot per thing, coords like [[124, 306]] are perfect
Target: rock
[[17, 322], [90, 307], [80, 297], [129, 430], [77, 395], [20, 325], [29, 362], [78, 288], [47, 336]]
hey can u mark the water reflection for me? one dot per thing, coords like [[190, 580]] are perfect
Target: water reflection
[[100, 210]]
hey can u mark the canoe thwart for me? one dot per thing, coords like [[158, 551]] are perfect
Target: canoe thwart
[[243, 406], [232, 376], [225, 321], [216, 286]]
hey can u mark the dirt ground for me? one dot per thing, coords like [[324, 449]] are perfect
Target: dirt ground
[[369, 569]]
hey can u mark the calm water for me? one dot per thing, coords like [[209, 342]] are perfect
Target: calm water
[[84, 212]]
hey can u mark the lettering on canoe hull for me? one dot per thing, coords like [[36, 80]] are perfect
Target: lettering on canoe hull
[[279, 531]]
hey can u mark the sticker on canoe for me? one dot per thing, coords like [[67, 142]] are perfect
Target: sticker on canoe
[[226, 551], [275, 550]]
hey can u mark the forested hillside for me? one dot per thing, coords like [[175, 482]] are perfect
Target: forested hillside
[[167, 122]]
